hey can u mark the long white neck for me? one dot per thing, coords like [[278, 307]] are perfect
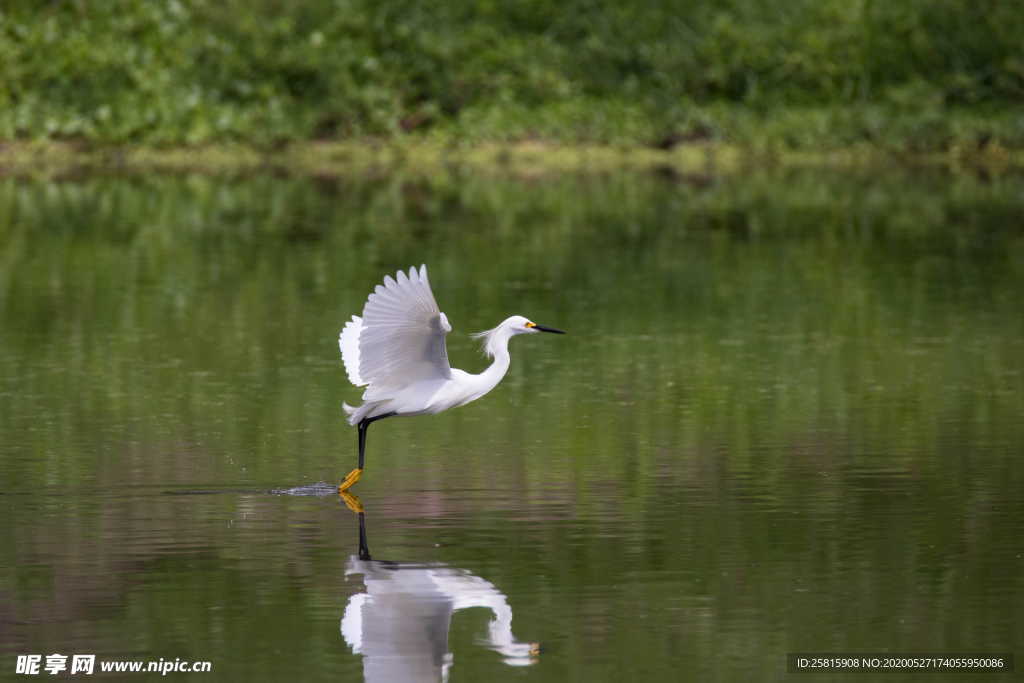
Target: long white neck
[[497, 348]]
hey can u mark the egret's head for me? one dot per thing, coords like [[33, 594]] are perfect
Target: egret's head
[[510, 327], [520, 325]]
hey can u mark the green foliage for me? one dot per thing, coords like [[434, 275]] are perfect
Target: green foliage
[[799, 73]]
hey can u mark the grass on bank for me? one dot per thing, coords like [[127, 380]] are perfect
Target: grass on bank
[[417, 156], [247, 81]]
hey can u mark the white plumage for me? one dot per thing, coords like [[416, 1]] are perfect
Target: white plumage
[[397, 351], [400, 623], [402, 336], [348, 340]]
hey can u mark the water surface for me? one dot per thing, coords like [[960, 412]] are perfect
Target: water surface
[[788, 416]]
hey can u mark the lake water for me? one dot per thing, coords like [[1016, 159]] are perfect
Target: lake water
[[788, 416]]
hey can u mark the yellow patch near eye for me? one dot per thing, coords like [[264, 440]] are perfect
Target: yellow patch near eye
[[531, 324]]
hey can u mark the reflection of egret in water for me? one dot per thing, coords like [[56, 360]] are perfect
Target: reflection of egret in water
[[400, 623]]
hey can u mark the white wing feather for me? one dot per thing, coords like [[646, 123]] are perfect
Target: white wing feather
[[348, 341], [401, 340]]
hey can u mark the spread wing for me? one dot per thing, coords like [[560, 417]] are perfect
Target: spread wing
[[348, 341], [401, 340]]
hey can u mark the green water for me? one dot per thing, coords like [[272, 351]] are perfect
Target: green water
[[788, 416]]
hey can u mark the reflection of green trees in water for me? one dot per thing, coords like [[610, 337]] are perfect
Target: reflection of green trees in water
[[770, 385], [827, 304]]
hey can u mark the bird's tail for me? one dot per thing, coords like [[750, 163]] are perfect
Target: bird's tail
[[352, 413], [355, 414]]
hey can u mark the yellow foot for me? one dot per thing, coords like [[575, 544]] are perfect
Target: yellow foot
[[350, 480], [352, 501]]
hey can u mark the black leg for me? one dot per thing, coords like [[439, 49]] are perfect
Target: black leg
[[363, 426], [364, 550], [352, 477]]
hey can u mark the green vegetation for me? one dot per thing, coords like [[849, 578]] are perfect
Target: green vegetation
[[916, 77]]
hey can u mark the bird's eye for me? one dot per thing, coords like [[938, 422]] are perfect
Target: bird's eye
[[529, 324]]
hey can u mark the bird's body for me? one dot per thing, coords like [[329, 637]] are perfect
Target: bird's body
[[431, 395], [397, 351]]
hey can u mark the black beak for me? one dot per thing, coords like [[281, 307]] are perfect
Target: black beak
[[547, 329]]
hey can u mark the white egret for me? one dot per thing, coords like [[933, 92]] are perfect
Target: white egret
[[397, 351], [400, 623]]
